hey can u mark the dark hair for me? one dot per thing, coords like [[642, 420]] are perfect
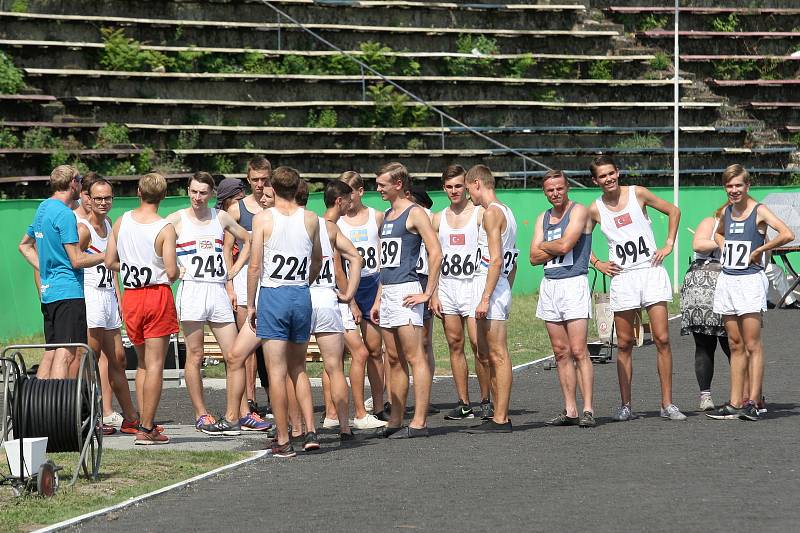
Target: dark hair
[[98, 180], [553, 174], [259, 163], [353, 179], [202, 177], [601, 161], [285, 181], [88, 181], [453, 171], [397, 172], [301, 196], [335, 189]]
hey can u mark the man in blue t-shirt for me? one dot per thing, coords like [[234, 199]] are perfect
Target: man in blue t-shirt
[[51, 247]]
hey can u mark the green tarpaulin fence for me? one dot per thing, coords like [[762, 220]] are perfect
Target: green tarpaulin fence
[[20, 314]]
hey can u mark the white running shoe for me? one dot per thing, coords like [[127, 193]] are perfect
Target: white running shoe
[[114, 419], [330, 423], [368, 404], [368, 422], [706, 403], [672, 412]]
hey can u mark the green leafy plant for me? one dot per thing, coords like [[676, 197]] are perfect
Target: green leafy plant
[[326, 118], [795, 139], [519, 67], [560, 69], [727, 24], [222, 164], [187, 140], [375, 55], [19, 6], [112, 134], [660, 61], [601, 70], [548, 95], [144, 161], [415, 144], [8, 139], [275, 119], [11, 78], [39, 138], [123, 53], [59, 157], [481, 64], [731, 69], [640, 141], [652, 22]]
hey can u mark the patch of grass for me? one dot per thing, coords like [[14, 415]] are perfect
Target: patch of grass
[[112, 134], [652, 22], [8, 139], [19, 6], [727, 24], [120, 478], [326, 118], [11, 78], [640, 141], [660, 61], [601, 70]]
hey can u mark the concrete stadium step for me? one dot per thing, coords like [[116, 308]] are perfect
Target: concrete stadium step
[[748, 18], [267, 35], [759, 89], [727, 43], [741, 66]]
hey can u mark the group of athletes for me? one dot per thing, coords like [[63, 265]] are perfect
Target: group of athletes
[[264, 274]]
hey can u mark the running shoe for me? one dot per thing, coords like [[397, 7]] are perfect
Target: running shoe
[[131, 427], [623, 413], [107, 429], [672, 412], [706, 403], [223, 427], [750, 412], [563, 420], [761, 405], [486, 410], [254, 422], [368, 422], [368, 405], [310, 442], [330, 423], [204, 421], [587, 420], [149, 438], [490, 426], [726, 412], [114, 419], [282, 451], [386, 432], [407, 432], [383, 416], [461, 411]]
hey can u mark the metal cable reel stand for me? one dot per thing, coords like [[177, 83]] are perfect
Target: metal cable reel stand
[[67, 411]]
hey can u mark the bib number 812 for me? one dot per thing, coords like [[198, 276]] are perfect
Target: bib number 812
[[629, 253]]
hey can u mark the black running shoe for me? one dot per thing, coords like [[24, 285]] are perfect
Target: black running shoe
[[310, 442], [383, 415], [252, 406], [487, 409], [750, 412], [587, 420], [460, 412], [408, 432], [490, 426], [387, 408], [563, 420], [386, 432], [346, 438], [283, 450], [726, 412]]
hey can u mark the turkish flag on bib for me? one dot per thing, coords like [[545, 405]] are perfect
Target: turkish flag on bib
[[623, 220]]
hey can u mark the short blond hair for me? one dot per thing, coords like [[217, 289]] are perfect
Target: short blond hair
[[397, 172], [152, 188], [482, 173], [61, 177], [734, 171]]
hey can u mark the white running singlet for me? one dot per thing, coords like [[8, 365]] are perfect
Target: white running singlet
[[460, 251], [365, 239], [629, 233], [287, 253], [97, 277], [199, 250], [139, 264], [509, 240]]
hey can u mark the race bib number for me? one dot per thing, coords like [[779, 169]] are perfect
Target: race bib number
[[208, 268], [422, 262], [560, 261], [736, 255], [289, 268], [632, 252], [458, 265], [325, 277], [134, 277], [390, 252], [510, 261], [105, 278]]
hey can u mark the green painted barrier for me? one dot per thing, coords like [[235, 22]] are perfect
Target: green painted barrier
[[20, 315]]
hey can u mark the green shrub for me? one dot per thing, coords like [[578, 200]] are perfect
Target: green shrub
[[11, 79], [660, 61], [275, 119], [19, 6], [731, 69], [326, 118], [480, 65], [59, 157], [187, 140], [38, 138], [519, 67], [601, 70], [652, 22], [125, 54], [640, 141], [415, 144], [795, 139], [112, 134], [144, 161], [8, 139], [561, 69], [222, 164], [728, 24], [374, 55]]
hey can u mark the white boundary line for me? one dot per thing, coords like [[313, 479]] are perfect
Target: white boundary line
[[131, 501]]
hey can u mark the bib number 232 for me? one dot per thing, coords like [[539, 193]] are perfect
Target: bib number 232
[[134, 277]]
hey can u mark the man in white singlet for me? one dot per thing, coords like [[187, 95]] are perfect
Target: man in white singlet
[[360, 224], [101, 293], [638, 279], [142, 250], [286, 257], [457, 227], [491, 291], [259, 171], [400, 302]]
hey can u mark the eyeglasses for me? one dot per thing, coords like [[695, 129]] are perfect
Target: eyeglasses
[[103, 199]]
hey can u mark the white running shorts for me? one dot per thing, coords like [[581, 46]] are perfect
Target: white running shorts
[[455, 295], [741, 295], [326, 317], [500, 301], [199, 301], [102, 309], [240, 287], [392, 312], [564, 299], [348, 320], [641, 287]]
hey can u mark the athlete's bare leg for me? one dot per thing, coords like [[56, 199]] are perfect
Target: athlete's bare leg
[[296, 357], [331, 345], [373, 339], [246, 342], [46, 365], [105, 384], [750, 325], [115, 355], [659, 331], [330, 407], [151, 357], [193, 336], [496, 345], [568, 340], [454, 334], [487, 385], [358, 363], [64, 363], [295, 413], [250, 359], [277, 367], [225, 333], [404, 347], [623, 327]]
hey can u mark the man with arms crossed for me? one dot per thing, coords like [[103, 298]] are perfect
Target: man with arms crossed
[[142, 250], [457, 227], [206, 294], [51, 246], [741, 292], [286, 257], [491, 291], [400, 302], [638, 279], [102, 305], [562, 242]]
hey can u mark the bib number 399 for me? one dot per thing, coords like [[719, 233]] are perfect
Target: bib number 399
[[632, 252]]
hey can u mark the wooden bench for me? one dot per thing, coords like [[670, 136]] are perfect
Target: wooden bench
[[211, 349]]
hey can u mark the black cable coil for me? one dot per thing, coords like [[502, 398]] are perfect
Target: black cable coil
[[48, 410]]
